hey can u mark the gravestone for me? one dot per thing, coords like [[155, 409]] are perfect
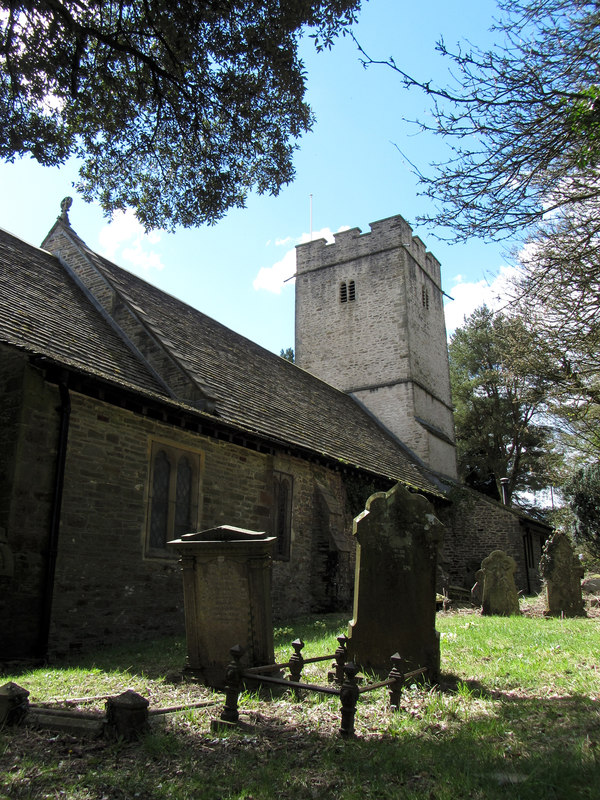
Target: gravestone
[[562, 572], [227, 597], [591, 584], [477, 588], [499, 591], [398, 536]]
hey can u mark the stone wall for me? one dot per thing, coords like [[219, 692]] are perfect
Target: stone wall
[[106, 587], [28, 438], [476, 526]]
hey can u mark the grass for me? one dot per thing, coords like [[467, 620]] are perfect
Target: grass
[[516, 714]]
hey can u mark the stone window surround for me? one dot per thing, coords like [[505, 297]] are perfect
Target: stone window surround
[[347, 291], [174, 453], [283, 488]]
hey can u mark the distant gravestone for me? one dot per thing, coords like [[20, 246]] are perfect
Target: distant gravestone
[[398, 537], [477, 588], [591, 585], [500, 596], [562, 573]]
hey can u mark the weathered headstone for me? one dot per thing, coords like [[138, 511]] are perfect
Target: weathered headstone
[[562, 572], [398, 536], [227, 596], [477, 588], [500, 595], [14, 703], [591, 584]]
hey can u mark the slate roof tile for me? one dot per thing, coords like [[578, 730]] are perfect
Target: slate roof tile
[[42, 310]]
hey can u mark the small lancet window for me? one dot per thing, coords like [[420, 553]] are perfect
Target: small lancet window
[[425, 296], [351, 291], [343, 292], [282, 514]]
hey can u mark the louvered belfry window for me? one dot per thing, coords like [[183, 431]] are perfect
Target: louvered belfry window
[[173, 497], [347, 292]]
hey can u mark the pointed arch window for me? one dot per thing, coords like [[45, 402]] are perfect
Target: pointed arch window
[[173, 496]]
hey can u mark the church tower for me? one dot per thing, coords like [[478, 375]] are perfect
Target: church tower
[[370, 321]]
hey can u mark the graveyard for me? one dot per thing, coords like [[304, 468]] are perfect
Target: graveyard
[[515, 712], [493, 697]]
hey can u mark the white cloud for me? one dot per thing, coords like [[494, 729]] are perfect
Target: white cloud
[[273, 278], [467, 296], [123, 240]]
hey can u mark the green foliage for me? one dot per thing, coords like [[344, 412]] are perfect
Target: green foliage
[[178, 109], [582, 492], [360, 487], [500, 386], [288, 354], [515, 716], [584, 116]]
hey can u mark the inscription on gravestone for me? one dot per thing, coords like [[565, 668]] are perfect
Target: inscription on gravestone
[[398, 536]]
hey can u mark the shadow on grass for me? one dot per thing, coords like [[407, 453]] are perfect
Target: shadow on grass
[[526, 748]]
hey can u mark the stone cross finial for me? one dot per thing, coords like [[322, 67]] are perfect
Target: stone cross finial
[[65, 205]]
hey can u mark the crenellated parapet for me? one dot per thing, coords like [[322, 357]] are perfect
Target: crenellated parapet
[[385, 234]]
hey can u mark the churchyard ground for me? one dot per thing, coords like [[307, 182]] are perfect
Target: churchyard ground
[[516, 714]]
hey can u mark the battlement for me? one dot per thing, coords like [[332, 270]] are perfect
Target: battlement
[[385, 234]]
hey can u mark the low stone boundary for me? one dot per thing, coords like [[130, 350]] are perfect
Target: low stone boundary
[[126, 716]]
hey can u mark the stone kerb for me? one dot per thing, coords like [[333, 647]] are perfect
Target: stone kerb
[[227, 576]]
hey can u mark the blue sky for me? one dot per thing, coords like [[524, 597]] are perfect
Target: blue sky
[[350, 164]]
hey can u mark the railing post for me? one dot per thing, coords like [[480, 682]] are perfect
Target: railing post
[[340, 659], [349, 698], [233, 685], [296, 661], [398, 677]]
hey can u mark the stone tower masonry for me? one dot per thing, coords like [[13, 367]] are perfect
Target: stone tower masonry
[[370, 321]]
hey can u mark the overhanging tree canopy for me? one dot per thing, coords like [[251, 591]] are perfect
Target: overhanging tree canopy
[[178, 109], [522, 120], [582, 492]]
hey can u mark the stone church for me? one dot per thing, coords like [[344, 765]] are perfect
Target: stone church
[[129, 418]]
